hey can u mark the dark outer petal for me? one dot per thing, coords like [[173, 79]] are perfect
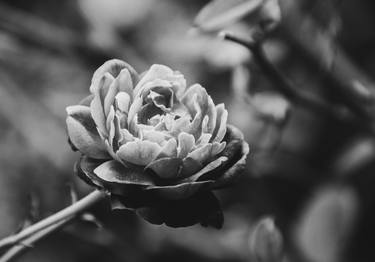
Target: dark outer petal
[[114, 172], [166, 167], [234, 171], [236, 151], [201, 208], [205, 173], [233, 133], [86, 167], [179, 191]]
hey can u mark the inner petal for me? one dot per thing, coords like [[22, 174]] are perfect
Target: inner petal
[[147, 112]]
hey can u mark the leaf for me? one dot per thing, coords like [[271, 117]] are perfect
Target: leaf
[[220, 13]]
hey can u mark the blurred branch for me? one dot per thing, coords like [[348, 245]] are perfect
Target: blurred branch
[[52, 222], [288, 90], [341, 72]]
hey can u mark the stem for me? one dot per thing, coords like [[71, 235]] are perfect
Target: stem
[[288, 90], [64, 215], [17, 250]]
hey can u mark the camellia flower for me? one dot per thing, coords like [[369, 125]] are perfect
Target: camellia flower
[[154, 145]]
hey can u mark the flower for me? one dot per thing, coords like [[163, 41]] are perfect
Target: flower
[[154, 145]]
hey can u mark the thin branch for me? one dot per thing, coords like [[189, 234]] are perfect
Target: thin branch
[[71, 211], [286, 88]]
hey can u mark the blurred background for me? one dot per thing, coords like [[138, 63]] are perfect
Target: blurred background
[[312, 173]]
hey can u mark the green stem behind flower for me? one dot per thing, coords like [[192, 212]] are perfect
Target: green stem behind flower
[[35, 232]]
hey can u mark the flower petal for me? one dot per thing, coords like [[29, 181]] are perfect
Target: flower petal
[[212, 114], [155, 72], [206, 172], [201, 154], [189, 167], [115, 172], [84, 168], [185, 144], [113, 67], [155, 136], [166, 167], [97, 109], [125, 82], [123, 101], [139, 152], [235, 170], [179, 191], [169, 149], [221, 124], [83, 134]]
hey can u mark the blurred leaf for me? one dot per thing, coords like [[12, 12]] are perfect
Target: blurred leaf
[[271, 105], [266, 241], [326, 15], [91, 219], [326, 224], [270, 15], [220, 13]]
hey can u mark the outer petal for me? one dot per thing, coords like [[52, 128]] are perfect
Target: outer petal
[[203, 208], [179, 191], [166, 168], [206, 173], [155, 72], [189, 167], [115, 172], [97, 104], [113, 67], [135, 180], [236, 151], [139, 152], [221, 124], [83, 134], [200, 101], [230, 163]]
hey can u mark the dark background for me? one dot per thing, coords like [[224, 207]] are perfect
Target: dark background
[[312, 174]]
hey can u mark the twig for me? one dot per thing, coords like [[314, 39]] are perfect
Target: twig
[[71, 211]]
